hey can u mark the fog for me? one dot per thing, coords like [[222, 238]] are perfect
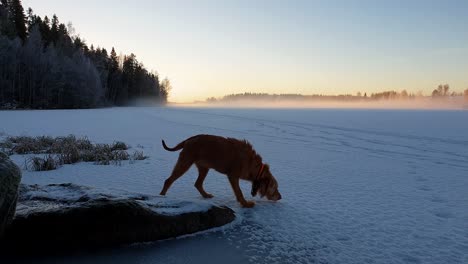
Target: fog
[[422, 103]]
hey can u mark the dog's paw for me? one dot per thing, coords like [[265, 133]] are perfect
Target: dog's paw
[[207, 195], [248, 204]]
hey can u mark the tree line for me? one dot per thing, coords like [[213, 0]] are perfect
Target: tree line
[[442, 91], [44, 65]]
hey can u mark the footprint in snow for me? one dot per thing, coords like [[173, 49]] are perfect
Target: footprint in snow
[[443, 213], [421, 179], [424, 188], [436, 199]]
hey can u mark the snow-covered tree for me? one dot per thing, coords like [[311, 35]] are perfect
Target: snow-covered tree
[[44, 65]]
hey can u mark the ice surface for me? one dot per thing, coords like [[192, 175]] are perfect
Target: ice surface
[[358, 186]]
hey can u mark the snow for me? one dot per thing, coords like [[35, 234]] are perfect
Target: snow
[[358, 186], [73, 193]]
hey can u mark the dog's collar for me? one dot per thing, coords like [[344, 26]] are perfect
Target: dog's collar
[[260, 171]]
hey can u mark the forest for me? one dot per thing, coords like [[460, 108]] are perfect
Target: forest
[[44, 65]]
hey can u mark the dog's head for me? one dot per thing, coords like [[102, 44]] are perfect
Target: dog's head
[[266, 185]]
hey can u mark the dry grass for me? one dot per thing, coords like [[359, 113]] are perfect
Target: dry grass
[[46, 163], [5, 147], [138, 155], [67, 150], [118, 145]]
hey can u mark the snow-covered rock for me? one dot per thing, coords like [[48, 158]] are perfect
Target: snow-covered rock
[[10, 177], [66, 217]]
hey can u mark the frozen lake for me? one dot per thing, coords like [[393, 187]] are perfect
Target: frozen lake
[[358, 186]]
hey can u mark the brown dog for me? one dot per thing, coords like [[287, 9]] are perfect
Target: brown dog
[[235, 158]]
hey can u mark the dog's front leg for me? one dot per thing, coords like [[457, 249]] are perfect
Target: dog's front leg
[[238, 192]]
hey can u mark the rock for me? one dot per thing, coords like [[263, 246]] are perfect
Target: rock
[[10, 177], [63, 217]]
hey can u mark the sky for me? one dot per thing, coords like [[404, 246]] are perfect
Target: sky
[[211, 48]]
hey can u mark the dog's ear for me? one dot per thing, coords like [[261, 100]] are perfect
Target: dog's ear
[[255, 186]]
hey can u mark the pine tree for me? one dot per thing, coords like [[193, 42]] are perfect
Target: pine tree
[[31, 18], [7, 28], [114, 60], [113, 78], [129, 70], [45, 31], [19, 18], [54, 29]]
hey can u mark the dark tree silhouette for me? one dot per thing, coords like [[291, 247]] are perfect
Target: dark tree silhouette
[[19, 19], [442, 90], [404, 94], [446, 89], [54, 29], [166, 87], [43, 65]]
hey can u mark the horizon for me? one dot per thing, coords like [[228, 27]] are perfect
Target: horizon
[[212, 49]]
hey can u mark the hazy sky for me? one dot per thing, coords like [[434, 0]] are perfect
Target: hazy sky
[[212, 48]]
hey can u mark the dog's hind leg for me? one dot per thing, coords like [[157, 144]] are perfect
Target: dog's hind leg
[[202, 172], [181, 167]]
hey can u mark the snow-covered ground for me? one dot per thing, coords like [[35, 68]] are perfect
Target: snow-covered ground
[[358, 186]]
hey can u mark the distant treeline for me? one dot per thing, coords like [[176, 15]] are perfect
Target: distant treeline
[[442, 91], [44, 65]]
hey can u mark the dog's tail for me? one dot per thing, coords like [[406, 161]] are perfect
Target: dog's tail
[[179, 146], [176, 148]]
